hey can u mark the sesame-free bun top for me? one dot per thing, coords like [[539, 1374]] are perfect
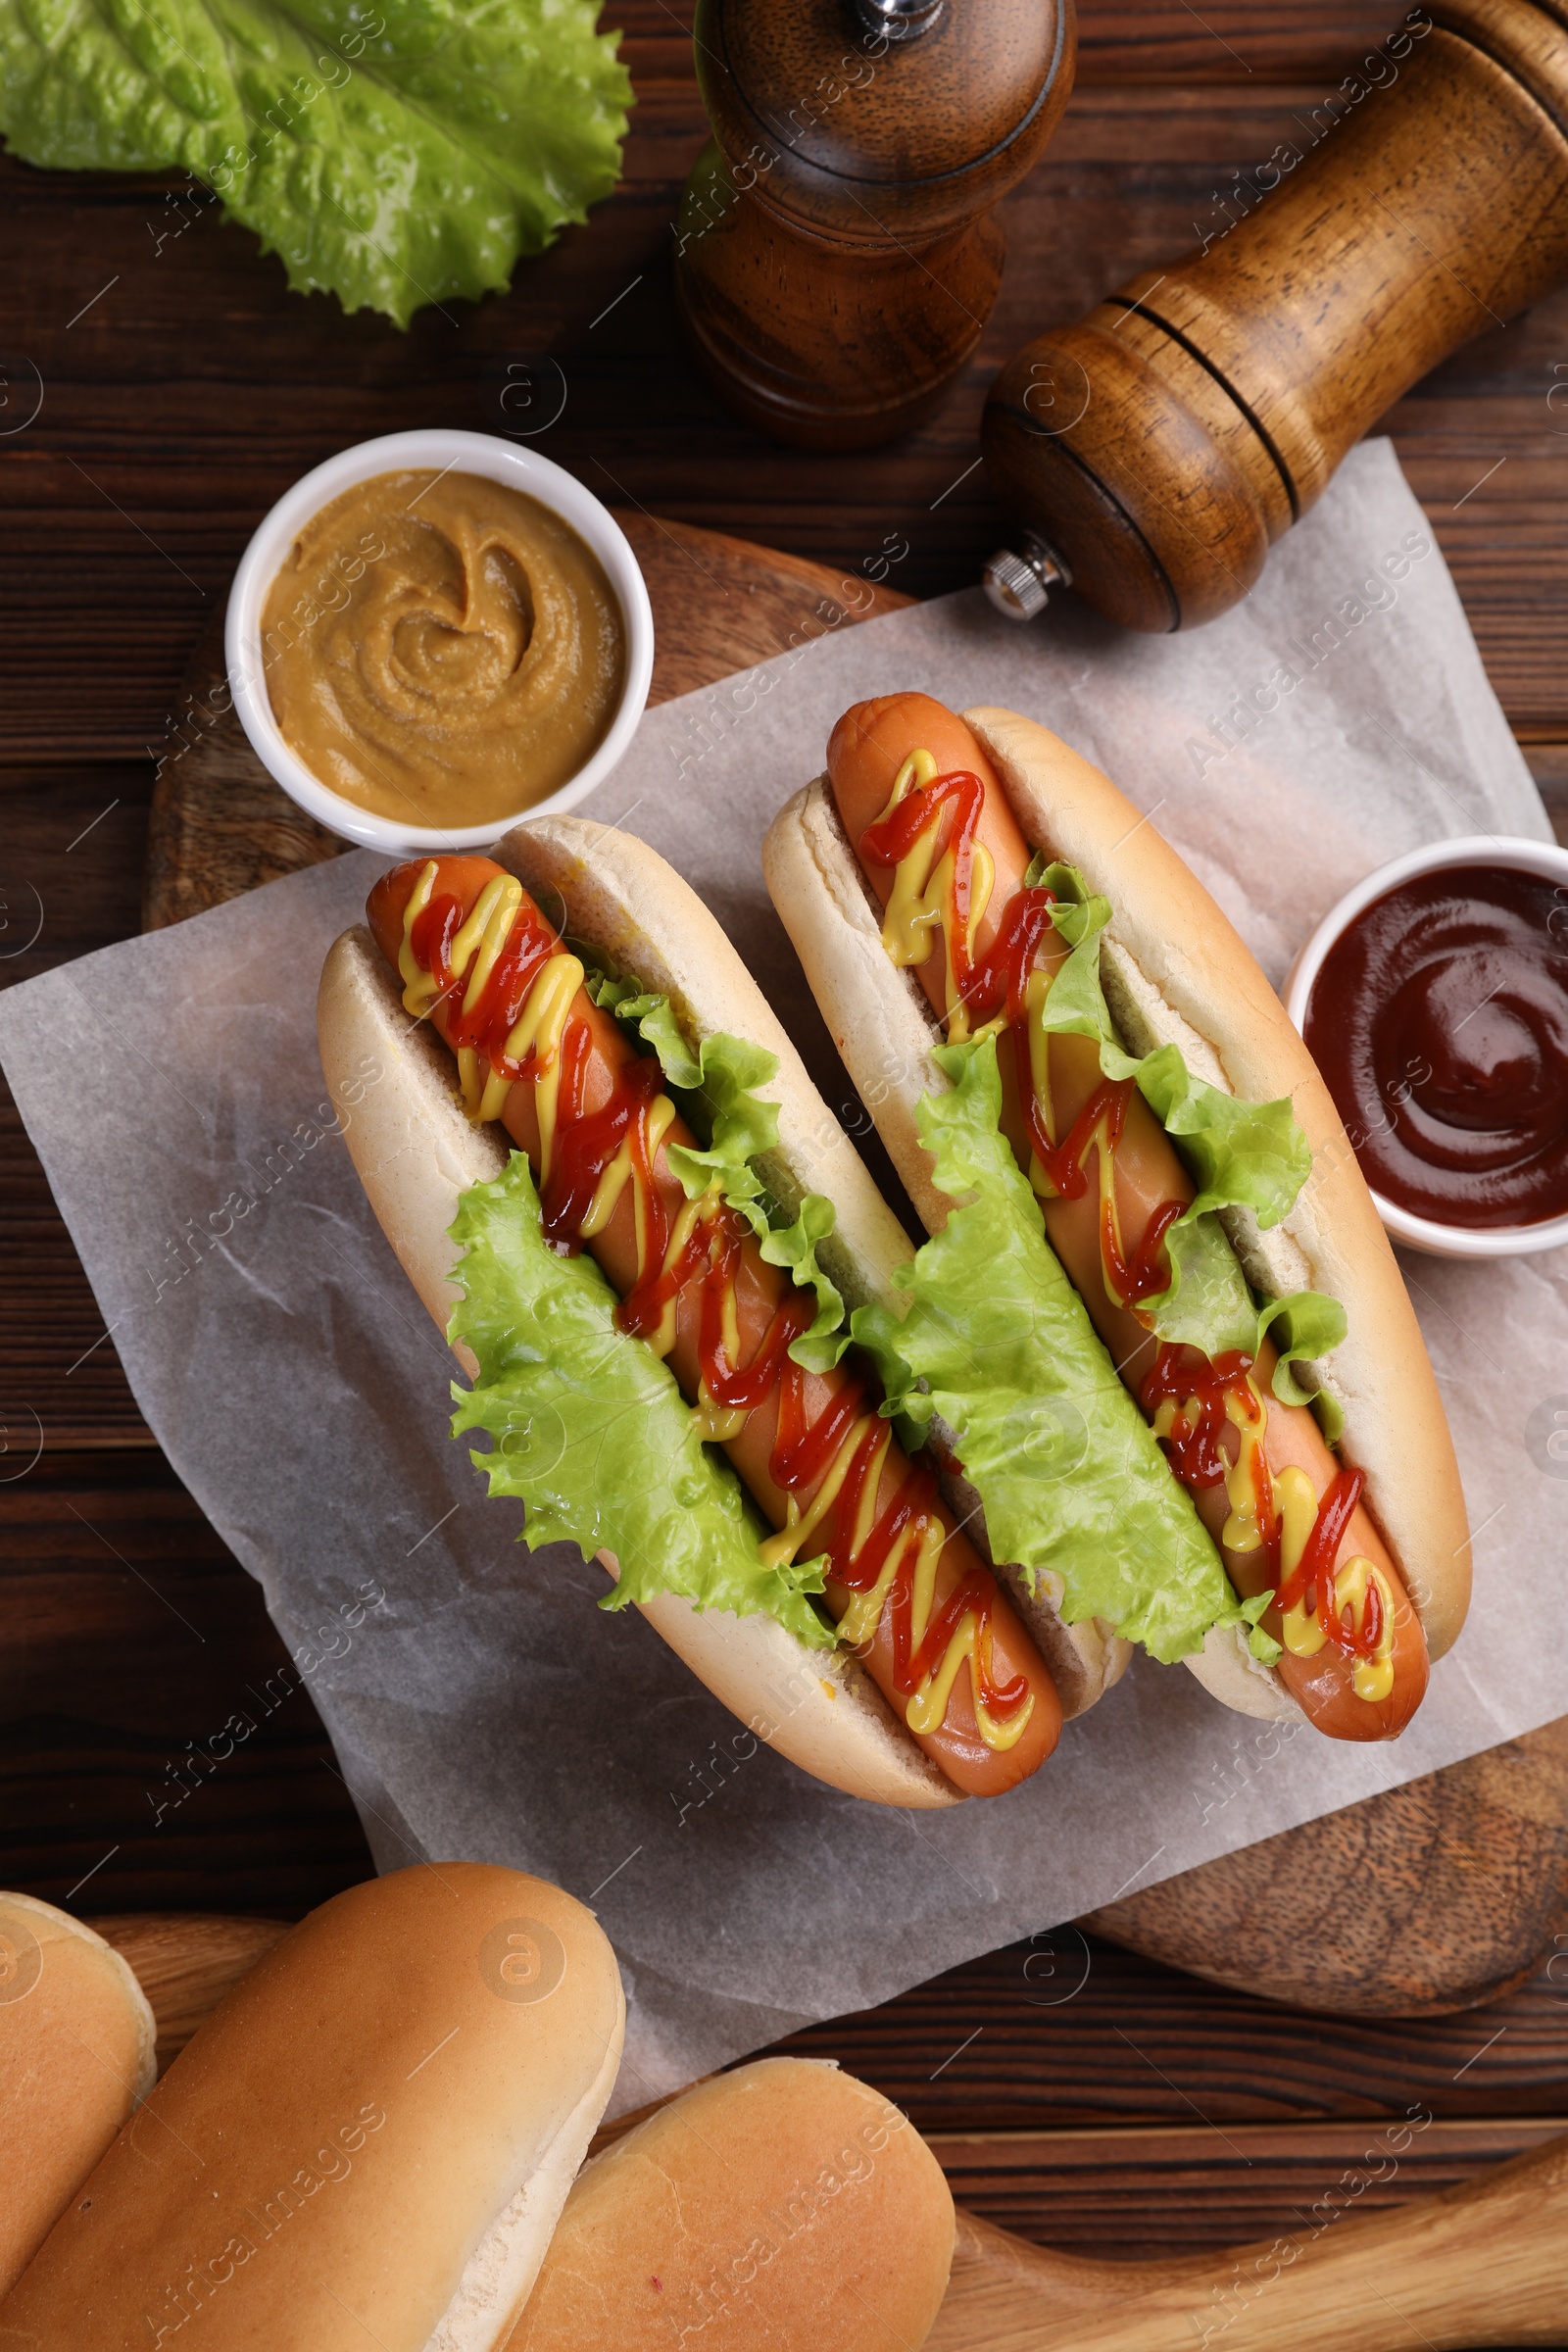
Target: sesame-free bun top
[[367, 2143], [76, 2054], [779, 2207]]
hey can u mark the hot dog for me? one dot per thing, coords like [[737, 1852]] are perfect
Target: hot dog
[[931, 829], [937, 1689]]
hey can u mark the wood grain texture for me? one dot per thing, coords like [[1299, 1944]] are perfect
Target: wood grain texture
[[1461, 1879], [176, 408], [837, 256], [1162, 443], [134, 1652], [1484, 2260], [187, 1963]]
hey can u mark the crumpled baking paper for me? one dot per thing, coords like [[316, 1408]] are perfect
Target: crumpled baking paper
[[480, 1703]]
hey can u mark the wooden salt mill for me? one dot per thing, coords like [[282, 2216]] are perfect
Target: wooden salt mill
[[1151, 452], [836, 254]]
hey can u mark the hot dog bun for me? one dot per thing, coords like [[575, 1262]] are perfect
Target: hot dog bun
[[368, 2143], [633, 908], [1174, 971], [782, 2205], [75, 2055], [416, 1152]]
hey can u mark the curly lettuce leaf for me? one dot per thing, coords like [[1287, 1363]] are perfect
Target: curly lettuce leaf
[[1304, 1326], [394, 154], [719, 1084], [1072, 1481], [589, 1431], [820, 1347]]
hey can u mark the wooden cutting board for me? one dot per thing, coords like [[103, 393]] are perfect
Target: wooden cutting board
[[1440, 1894], [1483, 2263]]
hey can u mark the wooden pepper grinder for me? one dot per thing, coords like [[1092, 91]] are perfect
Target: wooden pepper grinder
[[836, 254], [1153, 451]]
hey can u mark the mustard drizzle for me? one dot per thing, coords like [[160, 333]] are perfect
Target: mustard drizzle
[[539, 1027], [919, 903], [1303, 1636], [917, 907]]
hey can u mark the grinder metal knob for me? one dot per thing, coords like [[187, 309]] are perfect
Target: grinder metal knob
[[1019, 585], [894, 20]]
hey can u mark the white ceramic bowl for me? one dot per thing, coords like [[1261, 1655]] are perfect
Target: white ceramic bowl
[[470, 453], [1518, 855]]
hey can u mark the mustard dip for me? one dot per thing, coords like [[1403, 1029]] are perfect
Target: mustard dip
[[442, 649]]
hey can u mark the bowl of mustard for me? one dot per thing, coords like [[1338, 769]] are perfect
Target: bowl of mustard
[[434, 634]]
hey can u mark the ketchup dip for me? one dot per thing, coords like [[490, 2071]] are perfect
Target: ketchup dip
[[1439, 1019]]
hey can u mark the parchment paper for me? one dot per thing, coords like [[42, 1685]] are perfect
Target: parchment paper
[[480, 1702]]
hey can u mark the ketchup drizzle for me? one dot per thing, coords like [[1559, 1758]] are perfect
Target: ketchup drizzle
[[892, 838], [528, 946], [736, 1389], [801, 1452], [584, 1144], [1183, 1377], [996, 984], [1313, 1580]]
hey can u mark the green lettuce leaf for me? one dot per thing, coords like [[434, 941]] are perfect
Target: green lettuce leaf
[[1069, 1473], [818, 1348], [589, 1429], [394, 154], [1307, 1325], [1241, 1154], [718, 1088], [1263, 1646]]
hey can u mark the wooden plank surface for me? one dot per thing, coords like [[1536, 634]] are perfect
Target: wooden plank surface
[[134, 491], [176, 406]]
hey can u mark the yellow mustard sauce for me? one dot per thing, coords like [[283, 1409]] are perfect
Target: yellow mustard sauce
[[917, 909], [539, 1028], [1372, 1678], [441, 648]]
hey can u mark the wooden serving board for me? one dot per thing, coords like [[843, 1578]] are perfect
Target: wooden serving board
[[1442, 1893], [1486, 2261]]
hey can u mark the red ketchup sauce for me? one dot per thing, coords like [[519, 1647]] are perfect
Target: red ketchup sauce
[[585, 1143], [994, 985], [1439, 1022], [1198, 1447]]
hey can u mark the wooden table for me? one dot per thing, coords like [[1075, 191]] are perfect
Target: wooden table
[[1082, 2095]]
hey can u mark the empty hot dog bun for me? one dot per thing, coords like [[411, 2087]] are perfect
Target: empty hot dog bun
[[368, 2143], [780, 2206], [76, 2054], [1174, 971], [416, 1152]]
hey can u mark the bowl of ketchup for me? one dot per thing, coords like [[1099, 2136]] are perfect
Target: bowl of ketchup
[[1434, 999]]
